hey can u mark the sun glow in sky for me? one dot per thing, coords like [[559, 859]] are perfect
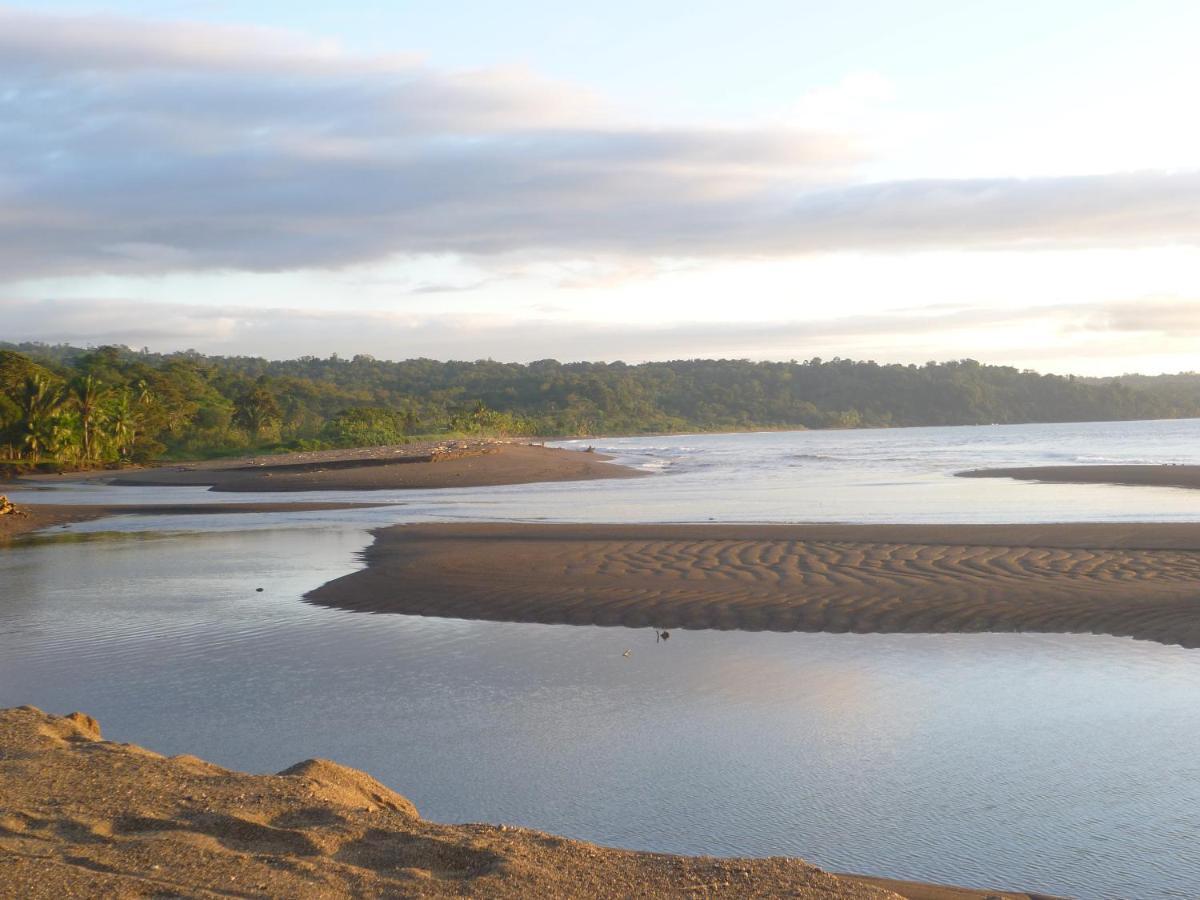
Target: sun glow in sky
[[1016, 182]]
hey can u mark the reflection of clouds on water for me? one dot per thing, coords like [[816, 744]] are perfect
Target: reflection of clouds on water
[[813, 683], [826, 687]]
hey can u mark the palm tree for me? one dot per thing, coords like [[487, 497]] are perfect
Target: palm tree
[[256, 410], [37, 403], [88, 394], [65, 429], [122, 422]]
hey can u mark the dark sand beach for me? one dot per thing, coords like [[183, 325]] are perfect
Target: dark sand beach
[[439, 465], [80, 816], [1137, 580], [1151, 476]]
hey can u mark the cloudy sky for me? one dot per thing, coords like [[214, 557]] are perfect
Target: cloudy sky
[[1013, 181]]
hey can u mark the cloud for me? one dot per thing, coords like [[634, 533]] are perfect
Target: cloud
[[133, 147], [1168, 317], [1007, 333]]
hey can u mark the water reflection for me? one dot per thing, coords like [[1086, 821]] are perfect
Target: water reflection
[[1061, 764]]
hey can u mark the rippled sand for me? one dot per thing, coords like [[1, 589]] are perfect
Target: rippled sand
[[1127, 580]]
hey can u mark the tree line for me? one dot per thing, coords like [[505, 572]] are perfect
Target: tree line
[[76, 407]]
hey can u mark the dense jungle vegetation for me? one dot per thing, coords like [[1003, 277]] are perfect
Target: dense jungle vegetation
[[77, 407]]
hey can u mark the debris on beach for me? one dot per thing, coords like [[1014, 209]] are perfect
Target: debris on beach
[[8, 508], [447, 450]]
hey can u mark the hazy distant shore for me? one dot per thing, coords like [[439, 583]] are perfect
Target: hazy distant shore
[[124, 821], [1136, 580], [1182, 476]]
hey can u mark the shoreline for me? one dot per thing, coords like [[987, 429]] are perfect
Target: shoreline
[[442, 464], [1138, 475], [85, 816], [1124, 580], [35, 517]]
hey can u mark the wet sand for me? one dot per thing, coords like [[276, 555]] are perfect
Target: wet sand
[[1153, 476], [80, 816], [387, 468], [1136, 580], [38, 516], [440, 464]]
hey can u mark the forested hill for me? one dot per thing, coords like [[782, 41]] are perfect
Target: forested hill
[[112, 404]]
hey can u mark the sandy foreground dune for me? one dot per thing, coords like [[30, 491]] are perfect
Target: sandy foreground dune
[[82, 817], [1139, 580]]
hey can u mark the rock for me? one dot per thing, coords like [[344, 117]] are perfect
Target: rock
[[87, 726]]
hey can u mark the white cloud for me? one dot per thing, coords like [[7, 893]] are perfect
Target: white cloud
[[141, 147], [1067, 337]]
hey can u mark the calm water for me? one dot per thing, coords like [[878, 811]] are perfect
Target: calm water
[[894, 475], [1056, 763]]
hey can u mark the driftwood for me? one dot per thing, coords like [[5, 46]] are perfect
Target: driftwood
[[460, 450], [7, 508]]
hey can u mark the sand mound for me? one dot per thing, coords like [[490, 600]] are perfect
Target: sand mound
[[1139, 581], [344, 786], [84, 817]]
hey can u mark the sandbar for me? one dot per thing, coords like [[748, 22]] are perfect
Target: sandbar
[[1135, 580], [387, 468], [1181, 476]]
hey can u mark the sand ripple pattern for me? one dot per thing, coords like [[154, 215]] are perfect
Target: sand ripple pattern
[[690, 577]]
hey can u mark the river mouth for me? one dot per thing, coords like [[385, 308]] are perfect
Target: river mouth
[[1061, 764], [977, 759]]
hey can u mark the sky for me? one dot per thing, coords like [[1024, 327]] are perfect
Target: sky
[[1014, 182]]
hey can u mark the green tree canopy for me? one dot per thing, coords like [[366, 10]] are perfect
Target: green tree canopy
[[112, 404]]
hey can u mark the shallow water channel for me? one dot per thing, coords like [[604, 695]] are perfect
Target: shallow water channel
[[1064, 764]]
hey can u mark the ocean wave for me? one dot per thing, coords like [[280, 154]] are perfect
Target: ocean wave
[[856, 458], [655, 465]]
